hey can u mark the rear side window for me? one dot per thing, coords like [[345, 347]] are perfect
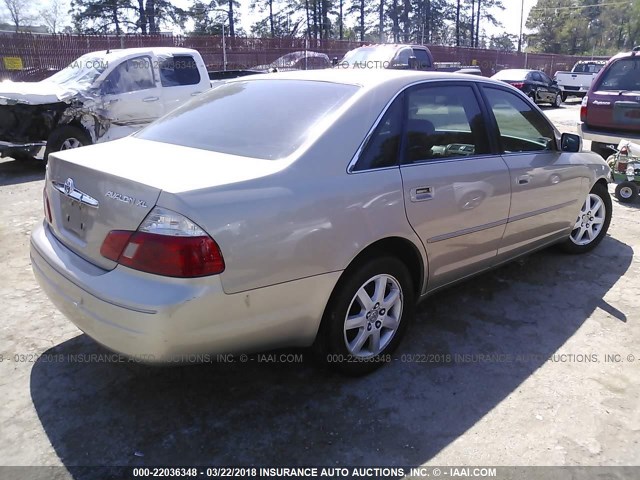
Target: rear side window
[[522, 128], [179, 70], [381, 149], [623, 74], [443, 121], [266, 119]]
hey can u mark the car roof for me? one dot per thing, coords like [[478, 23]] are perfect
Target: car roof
[[368, 78], [123, 52]]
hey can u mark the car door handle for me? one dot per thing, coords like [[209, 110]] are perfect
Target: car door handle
[[193, 94], [524, 179], [420, 194], [151, 99]]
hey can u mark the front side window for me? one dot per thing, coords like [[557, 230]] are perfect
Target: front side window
[[381, 149], [267, 119], [522, 128], [131, 75], [443, 121], [179, 70]]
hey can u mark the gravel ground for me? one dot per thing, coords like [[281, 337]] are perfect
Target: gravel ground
[[536, 363]]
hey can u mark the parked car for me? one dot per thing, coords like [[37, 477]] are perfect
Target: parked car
[[533, 83], [388, 56], [302, 60], [576, 83], [247, 222], [100, 96], [610, 111]]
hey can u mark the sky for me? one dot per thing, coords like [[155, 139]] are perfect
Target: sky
[[510, 17]]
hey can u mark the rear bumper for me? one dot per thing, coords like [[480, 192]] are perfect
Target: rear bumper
[[580, 91], [604, 137], [161, 320]]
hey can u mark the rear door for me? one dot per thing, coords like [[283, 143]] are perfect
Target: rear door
[[545, 183], [456, 191], [180, 79]]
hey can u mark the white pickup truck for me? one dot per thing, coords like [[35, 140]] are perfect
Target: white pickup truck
[[101, 96], [576, 83]]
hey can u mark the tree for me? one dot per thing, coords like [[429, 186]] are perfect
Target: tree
[[104, 16], [504, 42], [208, 17], [54, 15], [19, 12]]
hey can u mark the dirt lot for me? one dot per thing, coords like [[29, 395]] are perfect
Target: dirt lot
[[539, 364]]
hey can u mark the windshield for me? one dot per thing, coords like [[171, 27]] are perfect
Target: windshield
[[82, 71], [363, 55], [623, 74], [511, 75], [267, 119]]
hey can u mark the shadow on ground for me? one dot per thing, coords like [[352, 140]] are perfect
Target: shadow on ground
[[296, 414], [13, 172]]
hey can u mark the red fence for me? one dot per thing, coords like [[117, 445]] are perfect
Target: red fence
[[41, 54]]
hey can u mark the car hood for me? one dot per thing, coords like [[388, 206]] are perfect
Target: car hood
[[167, 167], [34, 93]]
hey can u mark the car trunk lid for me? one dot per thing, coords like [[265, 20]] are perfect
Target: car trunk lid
[[113, 186]]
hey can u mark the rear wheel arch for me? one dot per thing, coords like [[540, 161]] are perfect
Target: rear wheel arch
[[401, 248]]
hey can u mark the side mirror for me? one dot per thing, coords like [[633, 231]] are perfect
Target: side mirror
[[570, 142], [413, 63]]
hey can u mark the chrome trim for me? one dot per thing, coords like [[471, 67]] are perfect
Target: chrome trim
[[541, 211], [467, 231], [479, 228], [68, 189]]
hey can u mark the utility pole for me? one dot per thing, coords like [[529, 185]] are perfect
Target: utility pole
[[521, 19]]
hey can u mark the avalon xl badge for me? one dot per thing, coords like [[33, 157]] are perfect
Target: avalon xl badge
[[69, 189]]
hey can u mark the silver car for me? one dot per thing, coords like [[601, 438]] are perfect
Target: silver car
[[307, 208]]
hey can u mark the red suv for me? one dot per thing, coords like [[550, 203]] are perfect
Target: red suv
[[611, 109]]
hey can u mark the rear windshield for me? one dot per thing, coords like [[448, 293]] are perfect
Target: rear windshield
[[511, 75], [588, 67], [266, 119], [623, 74]]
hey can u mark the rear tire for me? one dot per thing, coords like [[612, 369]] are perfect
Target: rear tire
[[592, 222], [626, 192], [366, 316], [64, 138]]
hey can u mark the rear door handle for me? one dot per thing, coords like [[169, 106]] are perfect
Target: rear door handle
[[151, 99], [420, 194], [524, 179], [193, 94]]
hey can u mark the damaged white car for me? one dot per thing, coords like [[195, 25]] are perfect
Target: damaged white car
[[100, 96]]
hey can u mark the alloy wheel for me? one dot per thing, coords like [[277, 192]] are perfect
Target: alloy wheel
[[590, 221], [373, 316]]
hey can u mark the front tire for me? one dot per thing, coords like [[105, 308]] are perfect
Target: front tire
[[367, 316], [592, 223], [65, 138], [626, 192], [557, 103]]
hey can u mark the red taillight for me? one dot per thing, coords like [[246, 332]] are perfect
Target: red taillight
[[168, 255], [518, 85], [583, 109], [114, 244]]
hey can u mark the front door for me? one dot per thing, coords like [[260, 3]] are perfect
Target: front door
[[544, 182], [456, 191], [132, 95]]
